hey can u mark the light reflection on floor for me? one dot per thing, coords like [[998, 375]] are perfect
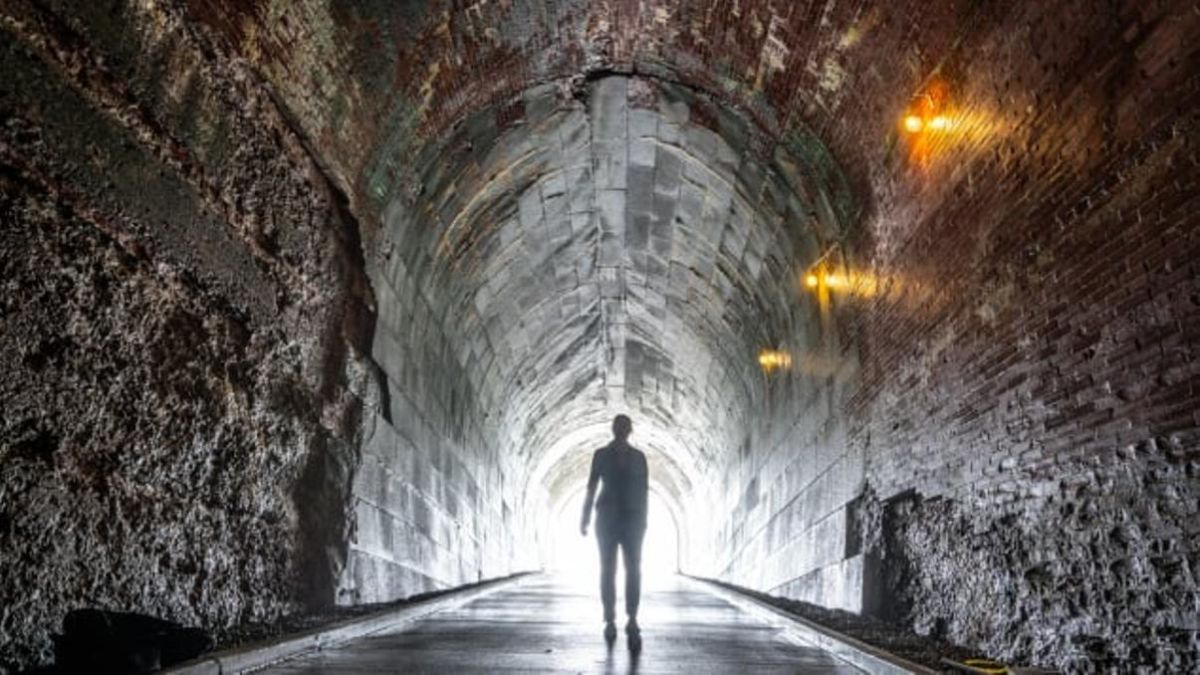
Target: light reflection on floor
[[544, 625], [552, 623]]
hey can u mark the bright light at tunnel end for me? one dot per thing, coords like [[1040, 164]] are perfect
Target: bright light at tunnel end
[[575, 558]]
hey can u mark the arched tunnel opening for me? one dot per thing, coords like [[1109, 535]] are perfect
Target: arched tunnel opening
[[607, 253], [315, 305]]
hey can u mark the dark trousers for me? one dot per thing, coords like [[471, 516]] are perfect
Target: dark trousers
[[613, 530]]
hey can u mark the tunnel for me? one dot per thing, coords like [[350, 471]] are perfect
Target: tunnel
[[313, 305]]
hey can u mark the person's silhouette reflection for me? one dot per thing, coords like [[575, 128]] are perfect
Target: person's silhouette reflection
[[620, 521]]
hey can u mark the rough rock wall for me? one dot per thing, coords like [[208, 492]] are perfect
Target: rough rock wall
[[182, 300]]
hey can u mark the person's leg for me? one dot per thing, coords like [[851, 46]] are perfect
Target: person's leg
[[631, 550], [608, 571]]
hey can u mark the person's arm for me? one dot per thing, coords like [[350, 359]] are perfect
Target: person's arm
[[644, 488], [593, 480]]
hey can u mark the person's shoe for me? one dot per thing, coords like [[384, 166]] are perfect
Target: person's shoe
[[610, 631], [634, 634]]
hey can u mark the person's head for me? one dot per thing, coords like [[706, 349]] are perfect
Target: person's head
[[622, 426]]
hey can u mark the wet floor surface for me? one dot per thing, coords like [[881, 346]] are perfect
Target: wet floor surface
[[546, 625]]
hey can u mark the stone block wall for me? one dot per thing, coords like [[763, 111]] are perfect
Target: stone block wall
[[431, 508], [789, 492]]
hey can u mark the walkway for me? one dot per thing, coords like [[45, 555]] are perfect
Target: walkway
[[547, 626]]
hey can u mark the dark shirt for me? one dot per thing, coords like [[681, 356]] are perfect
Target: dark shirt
[[622, 470]]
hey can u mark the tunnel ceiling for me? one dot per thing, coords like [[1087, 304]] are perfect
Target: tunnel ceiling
[[609, 253], [372, 83], [599, 204]]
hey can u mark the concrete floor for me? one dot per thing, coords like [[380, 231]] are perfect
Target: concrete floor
[[548, 625]]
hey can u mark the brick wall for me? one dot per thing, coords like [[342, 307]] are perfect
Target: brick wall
[[1029, 413]]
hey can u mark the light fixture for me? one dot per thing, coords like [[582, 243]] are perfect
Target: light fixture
[[772, 359], [926, 115], [835, 281], [859, 284]]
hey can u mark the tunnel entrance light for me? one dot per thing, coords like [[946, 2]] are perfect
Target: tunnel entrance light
[[575, 559]]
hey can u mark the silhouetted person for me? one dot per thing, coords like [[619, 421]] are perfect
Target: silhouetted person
[[620, 521]]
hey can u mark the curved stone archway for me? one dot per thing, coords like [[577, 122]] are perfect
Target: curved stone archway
[[607, 252]]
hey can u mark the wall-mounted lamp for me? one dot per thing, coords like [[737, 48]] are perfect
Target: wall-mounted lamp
[[929, 122], [914, 124], [773, 359], [854, 283]]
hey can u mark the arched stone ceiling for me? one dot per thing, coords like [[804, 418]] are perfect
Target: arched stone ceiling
[[599, 200], [609, 252], [374, 83]]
